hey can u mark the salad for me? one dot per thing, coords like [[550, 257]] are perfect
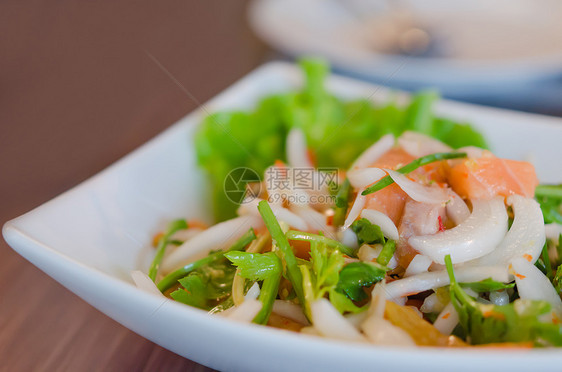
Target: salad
[[379, 224]]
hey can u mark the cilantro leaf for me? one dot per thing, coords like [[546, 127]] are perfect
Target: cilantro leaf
[[207, 286], [264, 267], [194, 292], [367, 233], [357, 275], [519, 321], [321, 277], [344, 304], [254, 266]]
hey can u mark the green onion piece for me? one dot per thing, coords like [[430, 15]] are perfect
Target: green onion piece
[[293, 271], [309, 237], [162, 244], [268, 294], [419, 162], [342, 201], [387, 252], [171, 279], [450, 272], [487, 285]]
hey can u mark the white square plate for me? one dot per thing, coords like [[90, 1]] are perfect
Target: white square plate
[[92, 236]]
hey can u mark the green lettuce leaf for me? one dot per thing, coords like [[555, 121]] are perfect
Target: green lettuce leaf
[[337, 131]]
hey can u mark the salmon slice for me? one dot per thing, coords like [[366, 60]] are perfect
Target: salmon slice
[[394, 158], [391, 199], [490, 176]]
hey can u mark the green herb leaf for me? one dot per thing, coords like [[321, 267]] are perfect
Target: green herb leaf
[[194, 292], [264, 267], [254, 266], [337, 131], [315, 238], [343, 304], [519, 321], [367, 233], [357, 275], [207, 286], [322, 276]]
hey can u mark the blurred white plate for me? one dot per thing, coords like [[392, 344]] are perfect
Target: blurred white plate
[[491, 47], [92, 236]]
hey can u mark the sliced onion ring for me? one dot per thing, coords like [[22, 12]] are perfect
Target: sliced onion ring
[[418, 265], [435, 279], [219, 236], [417, 191], [475, 237], [447, 320], [553, 231], [355, 210], [245, 312], [380, 219], [283, 214], [526, 236], [363, 177], [457, 210], [532, 284], [143, 282], [330, 323]]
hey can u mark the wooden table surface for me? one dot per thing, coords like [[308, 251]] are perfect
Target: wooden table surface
[[78, 90]]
